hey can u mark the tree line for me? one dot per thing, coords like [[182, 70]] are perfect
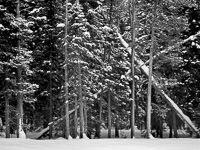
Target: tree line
[[63, 66]]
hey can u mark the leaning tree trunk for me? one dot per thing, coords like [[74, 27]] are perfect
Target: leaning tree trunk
[[66, 75], [157, 86]]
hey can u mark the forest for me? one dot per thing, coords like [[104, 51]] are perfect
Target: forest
[[77, 68]]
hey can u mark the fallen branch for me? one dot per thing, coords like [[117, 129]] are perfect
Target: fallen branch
[[52, 124]]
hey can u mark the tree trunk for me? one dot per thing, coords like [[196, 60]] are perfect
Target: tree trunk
[[7, 113], [170, 130], [157, 86], [100, 108], [80, 101], [85, 113], [174, 124], [98, 124], [150, 73], [19, 104], [19, 96], [50, 17], [133, 24], [75, 118], [161, 127], [137, 113], [50, 99], [66, 75], [109, 114], [116, 126], [7, 107]]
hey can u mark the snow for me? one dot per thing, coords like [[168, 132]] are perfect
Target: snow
[[101, 144], [22, 135], [70, 138], [60, 25], [41, 18], [35, 10], [1, 26], [85, 136]]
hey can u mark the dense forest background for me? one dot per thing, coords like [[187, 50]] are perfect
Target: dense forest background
[[33, 63]]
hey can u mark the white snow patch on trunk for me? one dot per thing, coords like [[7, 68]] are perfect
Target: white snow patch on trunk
[[85, 136], [22, 135]]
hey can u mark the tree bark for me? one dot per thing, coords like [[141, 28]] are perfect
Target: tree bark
[[7, 107], [137, 113], [85, 113], [170, 130], [19, 96], [100, 108], [66, 74], [158, 88], [116, 125], [75, 118], [98, 124], [80, 101], [109, 114], [50, 76], [161, 127], [19, 103], [7, 113], [174, 124], [133, 26], [50, 99], [150, 72]]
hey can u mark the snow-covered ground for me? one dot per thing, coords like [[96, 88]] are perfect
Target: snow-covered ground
[[100, 144]]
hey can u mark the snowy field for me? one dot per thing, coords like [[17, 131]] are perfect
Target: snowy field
[[100, 144]]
